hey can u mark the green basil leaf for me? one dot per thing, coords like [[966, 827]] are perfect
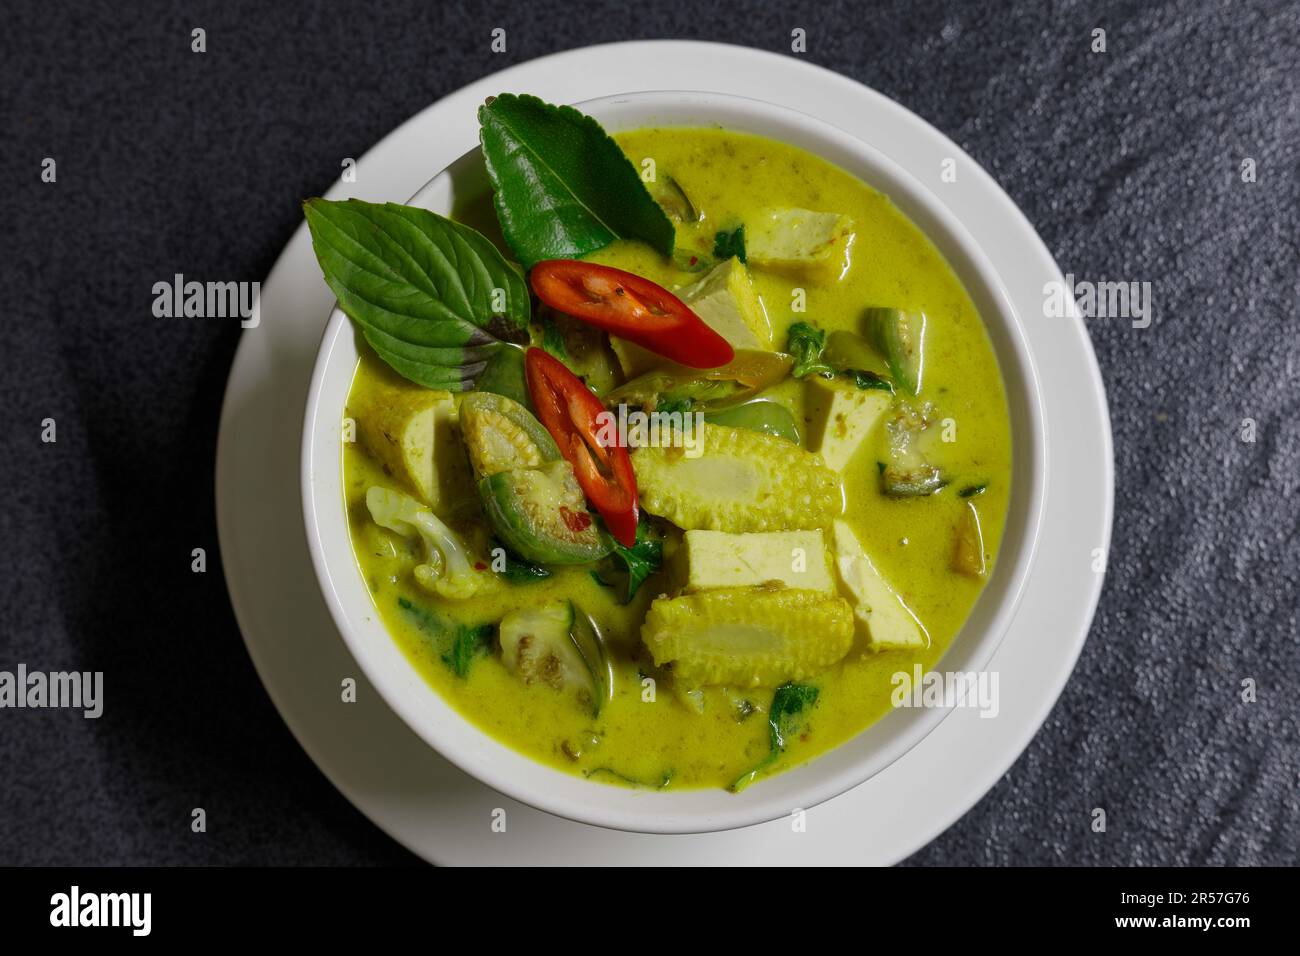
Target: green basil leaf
[[563, 188], [644, 558], [806, 343], [785, 718], [434, 298], [728, 244], [458, 645], [867, 380]]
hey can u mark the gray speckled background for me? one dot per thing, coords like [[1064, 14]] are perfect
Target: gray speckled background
[[1127, 163]]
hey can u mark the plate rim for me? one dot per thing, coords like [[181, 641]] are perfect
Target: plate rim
[[770, 59]]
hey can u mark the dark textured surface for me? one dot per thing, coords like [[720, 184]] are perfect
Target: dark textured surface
[[1128, 163]]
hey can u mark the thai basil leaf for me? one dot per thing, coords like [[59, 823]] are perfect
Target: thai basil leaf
[[867, 380], [728, 244], [468, 644], [458, 645], [785, 718], [553, 339], [516, 570], [434, 298], [644, 558], [806, 343], [563, 188]]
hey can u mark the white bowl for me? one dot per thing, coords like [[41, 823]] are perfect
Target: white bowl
[[688, 811]]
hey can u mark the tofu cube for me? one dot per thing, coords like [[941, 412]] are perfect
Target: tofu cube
[[840, 418], [412, 431], [800, 242], [633, 359], [717, 559], [725, 299], [880, 617]]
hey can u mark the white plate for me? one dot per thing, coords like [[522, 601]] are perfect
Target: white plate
[[446, 816]]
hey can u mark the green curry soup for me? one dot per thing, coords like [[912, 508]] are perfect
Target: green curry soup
[[767, 630]]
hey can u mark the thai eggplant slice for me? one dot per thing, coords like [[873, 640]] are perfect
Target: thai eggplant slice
[[674, 201], [899, 336], [541, 515], [538, 646], [500, 435], [968, 552], [907, 472]]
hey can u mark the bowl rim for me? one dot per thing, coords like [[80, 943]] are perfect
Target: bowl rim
[[459, 740]]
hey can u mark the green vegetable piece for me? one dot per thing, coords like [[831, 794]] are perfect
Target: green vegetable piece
[[552, 340], [916, 481], [674, 402], [849, 355], [763, 415], [421, 288], [513, 570], [589, 640], [728, 244], [504, 375], [660, 784], [806, 343], [868, 381], [563, 188], [644, 558], [469, 644], [672, 197], [501, 435], [538, 645], [785, 718], [706, 389], [541, 515], [908, 473], [702, 393], [900, 337], [459, 644], [969, 557], [846, 351], [971, 490]]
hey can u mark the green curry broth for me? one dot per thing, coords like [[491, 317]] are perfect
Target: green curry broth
[[729, 177]]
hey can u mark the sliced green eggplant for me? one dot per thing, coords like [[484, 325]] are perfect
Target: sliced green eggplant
[[915, 481], [849, 354], [501, 435], [541, 515], [907, 472], [672, 199], [899, 336], [595, 651], [763, 415], [557, 645]]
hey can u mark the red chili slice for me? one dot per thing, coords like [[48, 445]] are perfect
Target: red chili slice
[[632, 308], [573, 416]]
